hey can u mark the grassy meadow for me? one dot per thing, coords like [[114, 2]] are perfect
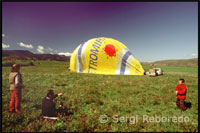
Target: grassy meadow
[[88, 96]]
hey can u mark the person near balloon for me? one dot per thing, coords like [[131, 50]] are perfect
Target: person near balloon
[[181, 91], [49, 106]]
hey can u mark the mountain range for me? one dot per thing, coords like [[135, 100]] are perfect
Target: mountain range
[[177, 62], [27, 55]]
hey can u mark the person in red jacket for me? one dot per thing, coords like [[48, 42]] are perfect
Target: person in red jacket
[[181, 91]]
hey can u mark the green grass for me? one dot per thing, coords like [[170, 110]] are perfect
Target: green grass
[[175, 69], [88, 96]]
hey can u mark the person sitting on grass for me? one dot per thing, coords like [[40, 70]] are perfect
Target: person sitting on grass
[[48, 106], [181, 91]]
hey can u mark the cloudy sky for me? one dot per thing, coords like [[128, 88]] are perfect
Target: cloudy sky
[[151, 30]]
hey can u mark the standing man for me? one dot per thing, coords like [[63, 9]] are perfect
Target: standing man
[[16, 85]]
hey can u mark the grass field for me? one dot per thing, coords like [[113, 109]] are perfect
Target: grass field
[[89, 96]]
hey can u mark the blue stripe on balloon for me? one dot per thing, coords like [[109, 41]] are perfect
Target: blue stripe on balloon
[[124, 59], [79, 57]]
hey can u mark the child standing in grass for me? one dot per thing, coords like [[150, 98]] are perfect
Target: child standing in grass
[[16, 86], [181, 91]]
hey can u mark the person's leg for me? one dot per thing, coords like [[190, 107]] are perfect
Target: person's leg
[[178, 102], [182, 105], [12, 101], [20, 98], [17, 102]]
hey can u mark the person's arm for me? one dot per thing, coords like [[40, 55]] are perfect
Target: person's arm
[[17, 81], [176, 90], [59, 94], [55, 96]]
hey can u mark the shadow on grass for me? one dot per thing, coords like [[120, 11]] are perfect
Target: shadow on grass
[[64, 111], [25, 101], [188, 105], [37, 106]]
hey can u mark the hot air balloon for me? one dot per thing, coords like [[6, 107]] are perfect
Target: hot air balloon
[[104, 56]]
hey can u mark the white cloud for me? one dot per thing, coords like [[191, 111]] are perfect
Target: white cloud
[[50, 49], [3, 35], [194, 54], [66, 54], [25, 45], [40, 49], [5, 46]]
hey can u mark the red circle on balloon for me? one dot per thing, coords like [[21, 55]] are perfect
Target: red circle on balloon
[[110, 50]]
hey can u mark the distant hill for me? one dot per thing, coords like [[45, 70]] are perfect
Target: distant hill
[[27, 55], [17, 53], [182, 62]]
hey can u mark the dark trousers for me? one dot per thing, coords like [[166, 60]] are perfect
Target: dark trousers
[[180, 104]]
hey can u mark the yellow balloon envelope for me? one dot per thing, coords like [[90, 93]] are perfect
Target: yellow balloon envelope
[[104, 56]]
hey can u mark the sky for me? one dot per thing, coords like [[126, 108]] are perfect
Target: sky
[[151, 30]]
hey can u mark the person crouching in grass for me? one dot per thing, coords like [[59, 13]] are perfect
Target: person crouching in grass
[[48, 106], [181, 91], [16, 85]]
